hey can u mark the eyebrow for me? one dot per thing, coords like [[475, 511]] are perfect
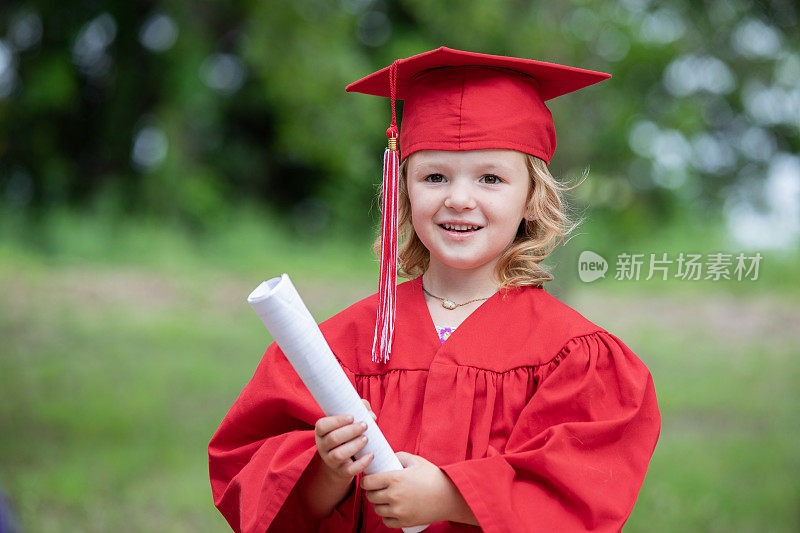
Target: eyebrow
[[484, 167], [497, 167]]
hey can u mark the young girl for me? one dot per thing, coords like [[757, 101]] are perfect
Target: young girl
[[509, 410]]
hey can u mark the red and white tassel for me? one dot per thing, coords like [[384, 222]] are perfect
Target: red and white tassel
[[387, 285]]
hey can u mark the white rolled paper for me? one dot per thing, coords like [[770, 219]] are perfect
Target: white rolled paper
[[283, 312]]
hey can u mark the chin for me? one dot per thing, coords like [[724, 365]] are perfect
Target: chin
[[466, 263]]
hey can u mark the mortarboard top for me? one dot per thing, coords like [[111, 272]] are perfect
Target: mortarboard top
[[554, 80]]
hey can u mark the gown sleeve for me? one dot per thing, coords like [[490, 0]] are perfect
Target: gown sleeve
[[577, 455], [261, 449]]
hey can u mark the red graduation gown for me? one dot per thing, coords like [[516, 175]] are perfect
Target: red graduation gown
[[543, 420]]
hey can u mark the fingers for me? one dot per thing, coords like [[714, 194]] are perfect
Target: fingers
[[406, 459], [383, 510], [379, 481], [358, 466], [343, 435], [388, 516], [343, 442], [343, 452], [369, 408], [378, 497], [338, 439], [329, 423]]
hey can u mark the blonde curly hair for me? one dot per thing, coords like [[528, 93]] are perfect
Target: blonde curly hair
[[536, 238]]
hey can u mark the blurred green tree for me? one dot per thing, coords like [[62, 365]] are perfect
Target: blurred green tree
[[187, 109]]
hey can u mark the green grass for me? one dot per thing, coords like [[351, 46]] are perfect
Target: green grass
[[727, 459], [247, 243], [123, 343]]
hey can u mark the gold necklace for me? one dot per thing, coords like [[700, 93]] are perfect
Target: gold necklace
[[450, 304]]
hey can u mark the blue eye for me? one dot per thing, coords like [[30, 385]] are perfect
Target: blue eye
[[491, 179], [434, 178]]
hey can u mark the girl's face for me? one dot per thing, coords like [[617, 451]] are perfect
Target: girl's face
[[466, 206]]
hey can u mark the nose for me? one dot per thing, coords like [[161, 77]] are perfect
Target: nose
[[459, 196]]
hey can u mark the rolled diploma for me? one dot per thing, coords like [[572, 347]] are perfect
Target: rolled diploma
[[280, 308]]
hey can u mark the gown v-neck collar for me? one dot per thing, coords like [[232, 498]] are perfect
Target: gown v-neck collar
[[430, 326]]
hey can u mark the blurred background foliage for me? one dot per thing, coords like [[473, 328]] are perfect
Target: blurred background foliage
[[186, 110], [158, 158]]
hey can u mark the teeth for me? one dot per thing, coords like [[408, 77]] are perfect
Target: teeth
[[460, 227]]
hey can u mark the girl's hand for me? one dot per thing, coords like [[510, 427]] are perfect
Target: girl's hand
[[419, 494], [338, 439]]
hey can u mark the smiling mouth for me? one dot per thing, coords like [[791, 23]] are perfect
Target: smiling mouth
[[460, 228]]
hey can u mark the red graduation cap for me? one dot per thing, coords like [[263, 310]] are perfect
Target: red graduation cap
[[456, 100]]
